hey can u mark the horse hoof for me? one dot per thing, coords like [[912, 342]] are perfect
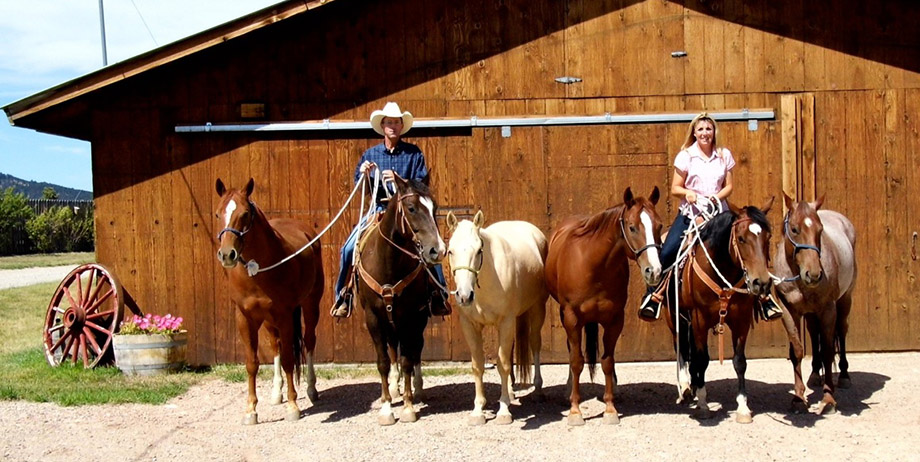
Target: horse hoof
[[292, 416], [575, 420], [827, 408], [702, 413], [251, 419], [815, 381], [408, 417], [476, 420], [386, 420], [844, 382], [799, 406], [611, 419], [744, 418], [503, 419]]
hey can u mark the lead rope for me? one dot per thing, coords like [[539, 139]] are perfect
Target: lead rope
[[252, 268]]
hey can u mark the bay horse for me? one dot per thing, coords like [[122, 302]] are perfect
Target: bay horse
[[817, 261], [587, 272], [277, 298], [394, 289], [499, 278], [727, 268]]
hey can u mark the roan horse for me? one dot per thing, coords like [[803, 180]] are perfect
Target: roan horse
[[724, 272], [817, 262], [276, 298], [394, 289], [587, 272], [498, 272]]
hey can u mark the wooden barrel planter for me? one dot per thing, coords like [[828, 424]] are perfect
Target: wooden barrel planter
[[150, 354]]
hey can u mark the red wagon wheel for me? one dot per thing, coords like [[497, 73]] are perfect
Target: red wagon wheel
[[84, 313]]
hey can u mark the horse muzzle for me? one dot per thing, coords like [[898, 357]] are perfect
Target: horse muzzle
[[811, 278], [652, 275], [759, 286], [229, 258]]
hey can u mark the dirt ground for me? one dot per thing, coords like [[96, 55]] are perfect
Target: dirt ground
[[878, 420]]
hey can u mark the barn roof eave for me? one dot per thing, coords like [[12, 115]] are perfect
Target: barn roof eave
[[152, 59]]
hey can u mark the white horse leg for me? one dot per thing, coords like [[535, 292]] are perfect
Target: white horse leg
[[505, 345], [394, 378], [473, 334], [744, 412], [385, 416], [277, 381], [683, 379], [311, 379]]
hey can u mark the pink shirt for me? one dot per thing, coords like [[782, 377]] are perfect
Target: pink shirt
[[704, 176]]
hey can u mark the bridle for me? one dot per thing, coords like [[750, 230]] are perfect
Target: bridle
[[239, 234]]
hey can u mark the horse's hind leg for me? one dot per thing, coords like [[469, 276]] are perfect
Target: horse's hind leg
[[739, 361], [288, 362], [576, 365], [843, 326], [505, 345], [828, 404], [310, 311], [536, 315]]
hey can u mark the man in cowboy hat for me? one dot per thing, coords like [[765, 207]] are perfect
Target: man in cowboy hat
[[391, 156]]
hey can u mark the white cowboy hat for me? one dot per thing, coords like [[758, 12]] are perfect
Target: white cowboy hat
[[391, 109]]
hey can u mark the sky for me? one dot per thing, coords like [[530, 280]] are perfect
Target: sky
[[49, 42]]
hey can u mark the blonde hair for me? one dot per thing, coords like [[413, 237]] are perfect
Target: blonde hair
[[691, 137]]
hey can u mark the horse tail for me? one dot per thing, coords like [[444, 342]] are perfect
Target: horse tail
[[522, 354], [300, 353], [591, 347]]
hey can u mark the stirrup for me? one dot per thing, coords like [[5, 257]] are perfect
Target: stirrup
[[650, 309], [769, 310], [342, 308]]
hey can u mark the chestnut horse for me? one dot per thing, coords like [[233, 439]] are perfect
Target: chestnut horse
[[275, 298], [817, 261], [587, 272], [394, 288], [498, 272], [725, 270]]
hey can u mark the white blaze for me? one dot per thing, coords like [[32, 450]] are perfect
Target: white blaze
[[228, 212], [755, 229], [808, 222], [429, 204], [650, 239]]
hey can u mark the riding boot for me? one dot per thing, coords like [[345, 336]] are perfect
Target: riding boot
[[650, 308], [768, 308], [342, 307], [440, 306]]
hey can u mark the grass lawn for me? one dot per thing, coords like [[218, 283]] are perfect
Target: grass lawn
[[46, 259]]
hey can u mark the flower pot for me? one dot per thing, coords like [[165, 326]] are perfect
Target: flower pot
[[150, 354]]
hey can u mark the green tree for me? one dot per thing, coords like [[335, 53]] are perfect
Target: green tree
[[14, 213], [58, 229], [50, 193]]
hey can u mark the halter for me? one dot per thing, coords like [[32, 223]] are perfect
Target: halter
[[475, 271], [797, 246], [637, 253], [238, 233]]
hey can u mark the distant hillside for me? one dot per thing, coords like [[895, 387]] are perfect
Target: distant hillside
[[33, 189]]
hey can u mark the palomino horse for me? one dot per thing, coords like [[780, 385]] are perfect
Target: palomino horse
[[818, 265], [394, 289], [587, 272], [275, 298], [498, 272], [724, 272]]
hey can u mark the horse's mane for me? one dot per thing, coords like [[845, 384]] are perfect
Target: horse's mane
[[598, 222], [718, 230]]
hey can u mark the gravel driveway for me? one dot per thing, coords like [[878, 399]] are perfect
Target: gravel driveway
[[878, 420], [25, 277]]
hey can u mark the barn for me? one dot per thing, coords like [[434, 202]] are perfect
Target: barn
[[526, 109]]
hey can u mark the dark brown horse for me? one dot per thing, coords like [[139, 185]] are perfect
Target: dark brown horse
[[817, 261], [724, 272], [587, 272], [275, 298], [394, 288]]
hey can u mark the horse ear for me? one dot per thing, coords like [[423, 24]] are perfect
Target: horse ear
[[653, 198], [818, 203], [790, 204], [769, 205], [400, 183], [478, 219], [628, 198], [250, 186], [221, 189], [451, 221]]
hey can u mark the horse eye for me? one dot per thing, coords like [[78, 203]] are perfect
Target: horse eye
[[741, 239], [795, 230], [632, 229], [411, 209]]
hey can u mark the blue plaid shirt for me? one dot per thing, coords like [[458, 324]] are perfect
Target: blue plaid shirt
[[406, 160]]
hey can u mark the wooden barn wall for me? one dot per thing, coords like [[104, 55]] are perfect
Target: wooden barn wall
[[155, 189]]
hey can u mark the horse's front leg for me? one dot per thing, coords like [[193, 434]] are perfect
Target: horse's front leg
[[385, 415], [843, 326], [699, 362], [473, 334], [682, 338], [249, 334], [796, 353], [410, 350], [813, 324], [739, 361], [576, 365], [828, 404], [608, 363], [505, 345]]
